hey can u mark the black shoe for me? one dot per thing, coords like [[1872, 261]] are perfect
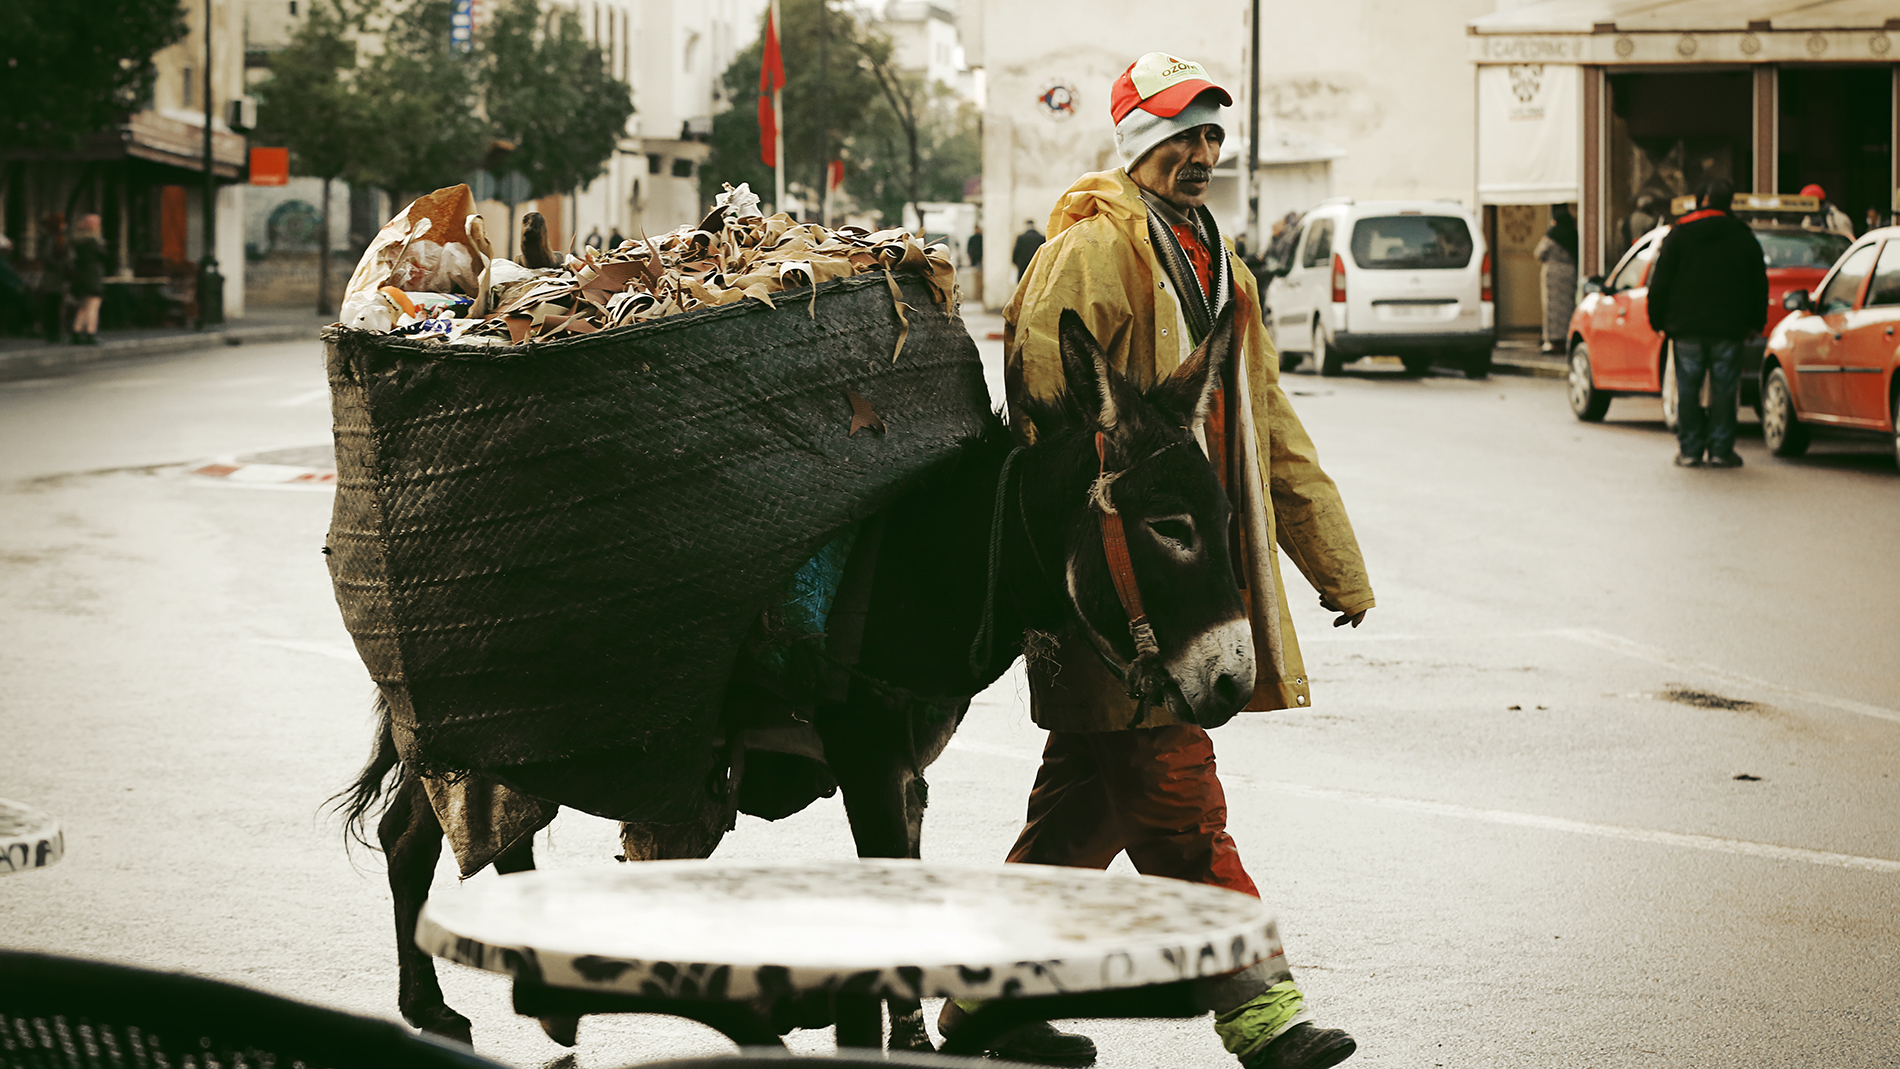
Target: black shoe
[[1304, 1046], [1037, 1044], [1727, 460]]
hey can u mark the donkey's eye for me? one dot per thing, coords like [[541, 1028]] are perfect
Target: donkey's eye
[[1176, 529]]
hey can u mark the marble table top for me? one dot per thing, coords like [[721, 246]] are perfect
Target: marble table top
[[29, 839], [893, 929]]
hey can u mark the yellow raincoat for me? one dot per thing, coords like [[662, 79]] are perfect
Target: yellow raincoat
[[1099, 262]]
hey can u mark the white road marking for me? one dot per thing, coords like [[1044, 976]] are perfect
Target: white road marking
[[322, 394], [1629, 648], [1710, 843], [342, 651]]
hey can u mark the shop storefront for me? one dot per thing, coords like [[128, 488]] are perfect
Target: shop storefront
[[1617, 106]]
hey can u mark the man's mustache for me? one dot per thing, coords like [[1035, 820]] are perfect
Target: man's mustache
[[1194, 173]]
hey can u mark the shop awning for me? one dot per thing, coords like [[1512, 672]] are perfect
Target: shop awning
[[1529, 123], [1619, 32], [163, 139]]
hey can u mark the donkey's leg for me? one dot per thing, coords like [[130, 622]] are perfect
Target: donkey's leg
[[520, 858], [871, 759], [412, 841]]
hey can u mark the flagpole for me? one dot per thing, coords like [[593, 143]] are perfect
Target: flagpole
[[778, 133]]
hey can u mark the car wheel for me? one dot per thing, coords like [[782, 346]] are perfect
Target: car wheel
[[1289, 361], [1331, 362], [1417, 365], [1478, 364], [1671, 396], [1781, 428], [1587, 402]]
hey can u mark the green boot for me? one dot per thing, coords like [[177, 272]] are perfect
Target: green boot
[[1268, 1032]]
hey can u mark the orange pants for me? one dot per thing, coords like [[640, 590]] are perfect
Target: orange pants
[[1149, 791]]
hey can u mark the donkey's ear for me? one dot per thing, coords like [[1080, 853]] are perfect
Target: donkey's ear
[[1187, 394], [1098, 391]]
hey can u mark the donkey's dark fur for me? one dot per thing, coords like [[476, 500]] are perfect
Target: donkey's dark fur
[[915, 675]]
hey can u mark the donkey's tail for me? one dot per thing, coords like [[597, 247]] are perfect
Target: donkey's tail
[[378, 778]]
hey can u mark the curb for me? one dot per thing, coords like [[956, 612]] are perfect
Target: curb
[[1527, 366], [54, 359]]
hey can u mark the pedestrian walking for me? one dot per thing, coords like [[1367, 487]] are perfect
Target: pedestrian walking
[[1708, 291], [88, 279], [1136, 253], [53, 278], [1027, 243], [1558, 253], [973, 248], [614, 240], [1829, 217], [592, 240]]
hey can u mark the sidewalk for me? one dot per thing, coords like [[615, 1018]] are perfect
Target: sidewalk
[[31, 358]]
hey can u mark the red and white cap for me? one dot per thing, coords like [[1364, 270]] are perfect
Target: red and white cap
[[1159, 96]]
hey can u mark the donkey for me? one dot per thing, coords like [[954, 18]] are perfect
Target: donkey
[[1010, 545]]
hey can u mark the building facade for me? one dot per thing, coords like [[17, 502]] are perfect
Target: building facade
[[145, 177]]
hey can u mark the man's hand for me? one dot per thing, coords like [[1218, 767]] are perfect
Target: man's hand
[[1344, 617]]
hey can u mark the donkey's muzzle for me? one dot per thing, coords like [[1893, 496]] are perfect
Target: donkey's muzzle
[[1215, 673]]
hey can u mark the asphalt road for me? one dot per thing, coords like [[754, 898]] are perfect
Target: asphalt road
[[1512, 831]]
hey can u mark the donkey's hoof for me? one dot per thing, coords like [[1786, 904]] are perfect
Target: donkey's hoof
[[447, 1025], [908, 1033], [562, 1030]]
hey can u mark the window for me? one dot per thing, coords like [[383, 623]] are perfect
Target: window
[[1635, 268], [293, 8], [1839, 294], [188, 92], [655, 163], [1319, 244], [1886, 287], [1801, 248], [682, 168], [1411, 242]]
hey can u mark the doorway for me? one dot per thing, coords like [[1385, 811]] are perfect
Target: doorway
[[1836, 130], [1669, 130]]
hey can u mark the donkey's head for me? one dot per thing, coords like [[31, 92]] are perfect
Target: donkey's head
[[1142, 524]]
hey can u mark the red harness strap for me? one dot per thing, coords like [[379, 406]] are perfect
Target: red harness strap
[[1120, 568]]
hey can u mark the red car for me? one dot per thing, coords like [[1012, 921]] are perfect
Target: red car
[[1832, 361], [1613, 352]]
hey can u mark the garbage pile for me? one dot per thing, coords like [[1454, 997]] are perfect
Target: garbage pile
[[431, 273]]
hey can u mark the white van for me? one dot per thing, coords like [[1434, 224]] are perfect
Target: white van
[[1404, 278]]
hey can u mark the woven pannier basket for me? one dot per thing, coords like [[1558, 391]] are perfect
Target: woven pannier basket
[[552, 552]]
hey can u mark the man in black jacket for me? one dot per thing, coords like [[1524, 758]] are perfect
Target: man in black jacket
[[1707, 292]]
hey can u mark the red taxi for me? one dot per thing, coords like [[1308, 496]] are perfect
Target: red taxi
[[1613, 353], [1832, 361]]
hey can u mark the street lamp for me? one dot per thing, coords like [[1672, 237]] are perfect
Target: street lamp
[[210, 282]]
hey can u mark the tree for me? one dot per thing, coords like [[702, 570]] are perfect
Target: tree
[[948, 150], [827, 95], [311, 105], [423, 126], [548, 91], [72, 69]]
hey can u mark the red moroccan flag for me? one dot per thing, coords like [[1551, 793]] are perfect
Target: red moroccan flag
[[771, 77]]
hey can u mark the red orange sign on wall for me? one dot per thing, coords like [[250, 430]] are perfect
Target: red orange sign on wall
[[270, 166]]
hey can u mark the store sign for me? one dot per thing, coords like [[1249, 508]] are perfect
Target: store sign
[[1532, 48], [1527, 92], [270, 166]]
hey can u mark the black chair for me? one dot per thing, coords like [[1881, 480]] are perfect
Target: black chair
[[66, 1013]]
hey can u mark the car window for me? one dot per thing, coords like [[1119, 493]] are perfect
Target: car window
[[1839, 294], [1411, 242], [1801, 248], [1319, 243], [1886, 287], [1630, 275]]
